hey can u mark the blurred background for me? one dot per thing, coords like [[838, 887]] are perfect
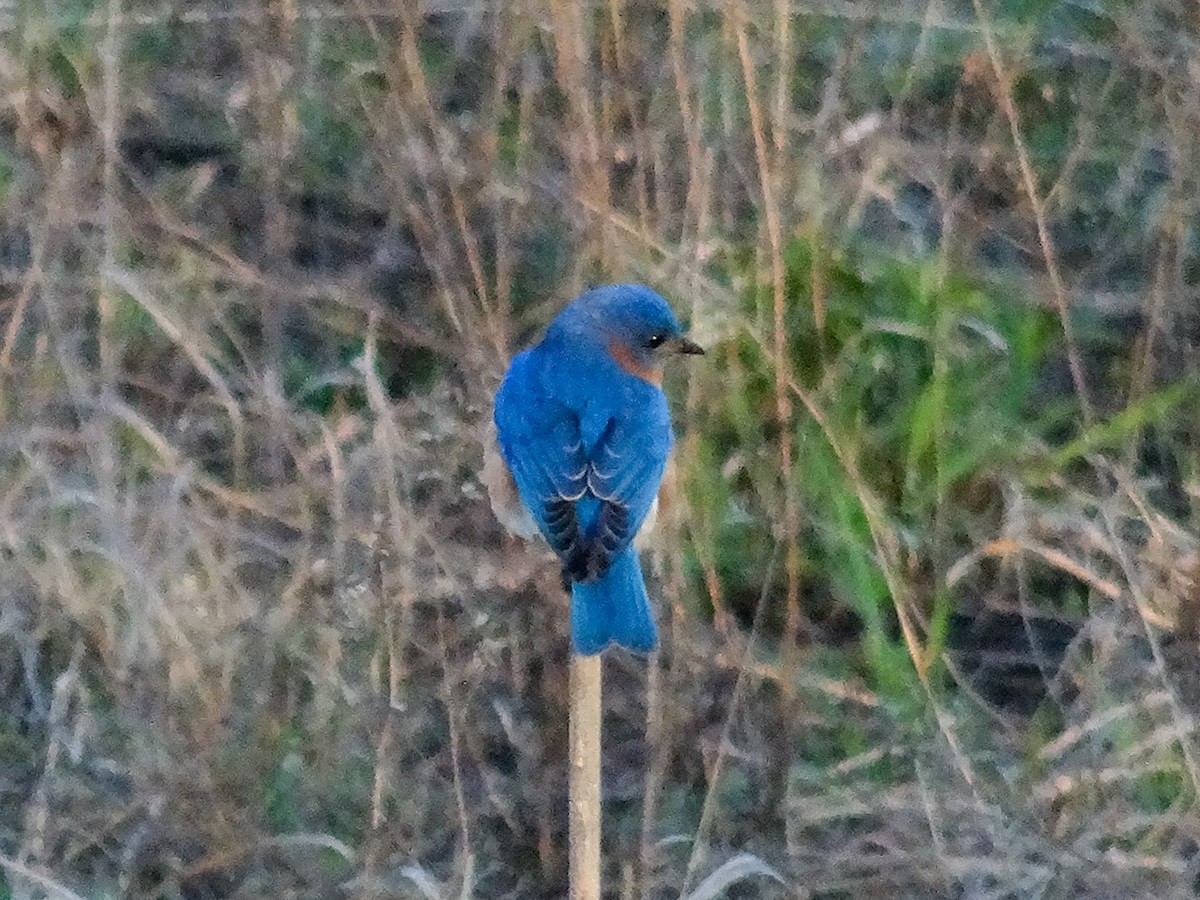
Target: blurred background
[[928, 583]]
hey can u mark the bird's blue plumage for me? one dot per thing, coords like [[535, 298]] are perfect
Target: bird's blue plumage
[[583, 426]]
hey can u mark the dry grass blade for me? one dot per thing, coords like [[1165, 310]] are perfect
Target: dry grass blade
[[1004, 89], [52, 888], [782, 361], [1006, 547], [711, 800], [742, 867]]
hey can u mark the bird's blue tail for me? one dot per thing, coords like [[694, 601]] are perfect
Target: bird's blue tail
[[614, 608]]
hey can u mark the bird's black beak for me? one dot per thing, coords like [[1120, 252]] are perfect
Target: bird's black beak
[[683, 345]]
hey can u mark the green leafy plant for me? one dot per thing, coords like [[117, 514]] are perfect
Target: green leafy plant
[[928, 386]]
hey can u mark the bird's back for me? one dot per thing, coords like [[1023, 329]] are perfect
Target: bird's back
[[584, 428]]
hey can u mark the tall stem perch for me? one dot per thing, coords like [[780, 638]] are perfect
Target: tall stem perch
[[584, 787]]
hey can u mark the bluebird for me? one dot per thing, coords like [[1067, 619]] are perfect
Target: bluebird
[[583, 434]]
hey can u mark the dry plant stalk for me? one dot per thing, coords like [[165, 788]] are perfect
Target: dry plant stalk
[[584, 786], [779, 355]]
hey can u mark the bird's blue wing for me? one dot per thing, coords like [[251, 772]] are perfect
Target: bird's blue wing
[[539, 439], [625, 471]]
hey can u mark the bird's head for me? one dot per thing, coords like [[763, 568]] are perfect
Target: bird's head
[[635, 325]]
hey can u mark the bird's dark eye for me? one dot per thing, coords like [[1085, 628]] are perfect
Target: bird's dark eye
[[656, 341]]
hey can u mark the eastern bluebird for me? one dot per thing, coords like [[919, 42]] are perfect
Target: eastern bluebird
[[583, 433]]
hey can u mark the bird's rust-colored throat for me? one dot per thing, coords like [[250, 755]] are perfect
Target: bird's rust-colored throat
[[625, 359]]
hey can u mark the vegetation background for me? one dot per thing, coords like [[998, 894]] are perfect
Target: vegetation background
[[929, 581]]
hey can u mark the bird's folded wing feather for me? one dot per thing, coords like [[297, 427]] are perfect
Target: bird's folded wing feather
[[540, 442], [551, 464], [625, 473]]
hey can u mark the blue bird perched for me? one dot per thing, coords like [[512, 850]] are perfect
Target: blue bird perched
[[583, 433]]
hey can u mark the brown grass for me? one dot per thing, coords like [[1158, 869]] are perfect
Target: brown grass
[[261, 267]]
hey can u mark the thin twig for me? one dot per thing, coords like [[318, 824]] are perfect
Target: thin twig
[[1004, 90], [460, 801], [714, 775]]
